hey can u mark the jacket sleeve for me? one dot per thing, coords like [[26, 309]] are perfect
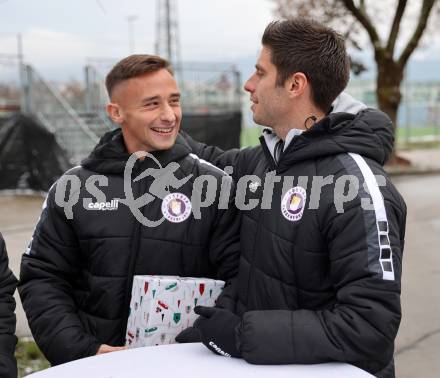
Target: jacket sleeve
[[216, 156], [8, 284], [361, 326], [48, 270]]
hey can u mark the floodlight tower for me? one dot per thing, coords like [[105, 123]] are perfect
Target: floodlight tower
[[167, 36]]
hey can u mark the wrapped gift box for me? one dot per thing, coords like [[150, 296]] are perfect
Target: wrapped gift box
[[163, 306]]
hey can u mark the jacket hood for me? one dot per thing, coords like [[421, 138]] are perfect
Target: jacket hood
[[110, 154], [368, 133]]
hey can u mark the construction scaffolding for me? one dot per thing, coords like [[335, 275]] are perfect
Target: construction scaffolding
[[77, 133]]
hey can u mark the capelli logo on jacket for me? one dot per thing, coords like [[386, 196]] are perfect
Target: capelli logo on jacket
[[104, 206]]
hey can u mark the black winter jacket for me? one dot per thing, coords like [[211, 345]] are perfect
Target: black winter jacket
[[76, 276], [8, 284], [315, 284]]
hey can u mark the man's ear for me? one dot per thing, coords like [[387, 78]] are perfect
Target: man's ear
[[296, 84], [114, 112]]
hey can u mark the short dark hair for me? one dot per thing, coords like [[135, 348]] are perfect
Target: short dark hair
[[133, 66], [304, 45]]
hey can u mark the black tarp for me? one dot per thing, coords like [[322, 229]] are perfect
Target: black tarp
[[30, 157], [222, 130]]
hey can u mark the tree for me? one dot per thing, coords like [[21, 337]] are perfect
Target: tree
[[351, 17]]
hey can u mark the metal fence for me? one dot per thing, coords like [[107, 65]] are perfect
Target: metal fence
[[210, 89], [205, 88], [95, 92], [418, 119]]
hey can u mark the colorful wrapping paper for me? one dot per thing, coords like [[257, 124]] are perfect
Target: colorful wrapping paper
[[163, 306]]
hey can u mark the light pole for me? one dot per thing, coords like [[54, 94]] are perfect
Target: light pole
[[130, 20]]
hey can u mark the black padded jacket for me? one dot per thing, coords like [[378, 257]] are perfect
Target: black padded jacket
[[319, 276], [76, 276]]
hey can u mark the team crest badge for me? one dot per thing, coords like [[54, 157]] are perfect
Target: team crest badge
[[253, 186], [293, 204], [176, 207]]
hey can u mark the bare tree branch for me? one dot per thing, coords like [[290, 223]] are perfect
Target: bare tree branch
[[394, 31], [363, 18], [418, 32]]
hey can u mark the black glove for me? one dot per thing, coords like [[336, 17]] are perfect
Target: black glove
[[217, 330], [189, 335]]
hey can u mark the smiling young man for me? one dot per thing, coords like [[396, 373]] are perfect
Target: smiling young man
[[77, 274], [320, 267]]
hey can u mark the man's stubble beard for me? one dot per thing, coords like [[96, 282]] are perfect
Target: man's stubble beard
[[268, 119]]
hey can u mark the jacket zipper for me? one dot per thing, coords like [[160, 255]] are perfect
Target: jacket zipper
[[269, 156], [272, 166], [134, 252]]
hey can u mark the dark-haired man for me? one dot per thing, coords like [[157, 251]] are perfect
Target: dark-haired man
[[8, 284], [77, 274], [320, 267]]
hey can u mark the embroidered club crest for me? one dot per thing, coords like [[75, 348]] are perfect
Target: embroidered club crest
[[253, 186], [176, 207], [293, 203]]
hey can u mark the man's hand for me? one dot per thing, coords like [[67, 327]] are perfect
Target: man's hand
[[104, 348], [189, 335], [217, 330]]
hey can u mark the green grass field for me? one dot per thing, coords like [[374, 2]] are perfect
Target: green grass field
[[417, 131], [249, 136]]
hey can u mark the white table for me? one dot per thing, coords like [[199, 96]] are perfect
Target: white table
[[188, 361]]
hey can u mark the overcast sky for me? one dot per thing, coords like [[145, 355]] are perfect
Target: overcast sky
[[62, 33], [59, 35]]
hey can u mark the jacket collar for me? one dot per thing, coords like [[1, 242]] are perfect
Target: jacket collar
[[110, 154]]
